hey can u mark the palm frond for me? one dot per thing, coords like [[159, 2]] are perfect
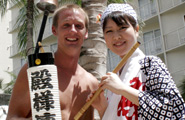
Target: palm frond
[[21, 24], [116, 1], [11, 74], [79, 2], [10, 84], [63, 2], [22, 36], [3, 6], [21, 17], [8, 87]]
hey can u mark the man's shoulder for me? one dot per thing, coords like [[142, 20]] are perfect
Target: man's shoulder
[[22, 76], [88, 77]]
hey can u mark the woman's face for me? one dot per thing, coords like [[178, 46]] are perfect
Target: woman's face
[[120, 39]]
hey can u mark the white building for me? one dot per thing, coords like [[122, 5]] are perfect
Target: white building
[[6, 41], [164, 33]]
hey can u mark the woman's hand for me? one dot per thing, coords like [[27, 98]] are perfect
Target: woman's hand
[[112, 82]]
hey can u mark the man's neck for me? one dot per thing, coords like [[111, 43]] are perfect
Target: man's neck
[[69, 63]]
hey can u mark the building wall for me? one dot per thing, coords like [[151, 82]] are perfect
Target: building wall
[[5, 42], [176, 64], [14, 46], [150, 27], [173, 28], [172, 20], [176, 59]]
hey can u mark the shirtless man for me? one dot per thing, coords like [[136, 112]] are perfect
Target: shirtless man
[[70, 26]]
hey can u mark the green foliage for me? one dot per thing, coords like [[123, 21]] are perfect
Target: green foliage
[[78, 2], [8, 87], [21, 23], [4, 4], [21, 20], [115, 1]]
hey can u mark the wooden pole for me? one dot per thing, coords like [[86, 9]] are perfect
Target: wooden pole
[[97, 93]]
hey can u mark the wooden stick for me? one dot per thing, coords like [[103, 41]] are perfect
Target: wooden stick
[[97, 93], [41, 48]]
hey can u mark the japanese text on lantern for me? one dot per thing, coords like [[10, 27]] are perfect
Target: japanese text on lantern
[[43, 100]]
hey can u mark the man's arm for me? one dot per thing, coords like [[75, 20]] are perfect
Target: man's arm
[[100, 103], [20, 106]]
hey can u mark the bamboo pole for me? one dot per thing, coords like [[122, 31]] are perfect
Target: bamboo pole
[[97, 93]]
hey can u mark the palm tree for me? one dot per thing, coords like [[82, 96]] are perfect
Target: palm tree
[[25, 22], [4, 4], [30, 10], [94, 51], [27, 19]]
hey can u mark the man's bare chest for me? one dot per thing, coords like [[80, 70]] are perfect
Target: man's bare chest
[[72, 100]]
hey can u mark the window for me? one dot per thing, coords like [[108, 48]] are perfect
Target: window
[[147, 8], [152, 42], [153, 7]]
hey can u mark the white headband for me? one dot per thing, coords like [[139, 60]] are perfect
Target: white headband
[[126, 8]]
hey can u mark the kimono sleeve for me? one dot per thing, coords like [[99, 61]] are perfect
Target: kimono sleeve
[[161, 98]]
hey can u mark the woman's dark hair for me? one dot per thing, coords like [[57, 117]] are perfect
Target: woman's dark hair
[[120, 19]]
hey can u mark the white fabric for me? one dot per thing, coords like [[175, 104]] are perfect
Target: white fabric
[[125, 8], [130, 70]]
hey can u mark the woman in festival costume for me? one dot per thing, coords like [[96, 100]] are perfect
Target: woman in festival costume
[[143, 88]]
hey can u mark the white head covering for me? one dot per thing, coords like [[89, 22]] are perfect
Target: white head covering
[[125, 8]]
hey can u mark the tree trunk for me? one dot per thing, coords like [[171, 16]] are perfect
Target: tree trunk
[[29, 45], [94, 50]]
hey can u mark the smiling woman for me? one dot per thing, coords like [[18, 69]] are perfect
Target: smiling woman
[[143, 87]]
